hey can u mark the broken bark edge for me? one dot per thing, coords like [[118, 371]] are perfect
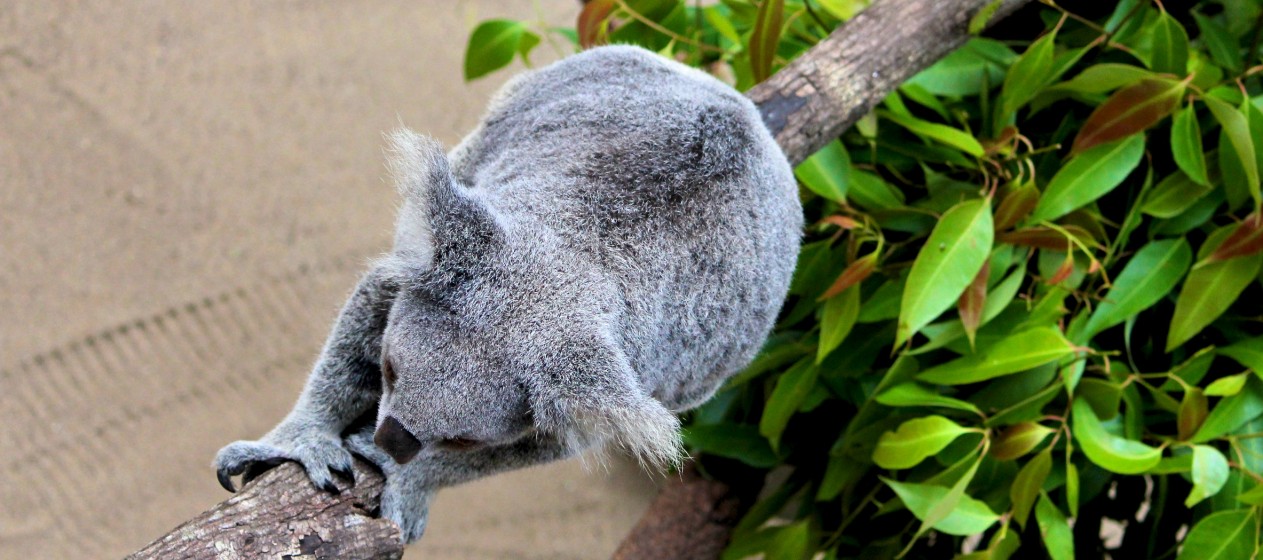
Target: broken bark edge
[[281, 514]]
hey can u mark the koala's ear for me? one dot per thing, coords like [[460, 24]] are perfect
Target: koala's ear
[[436, 213], [599, 404]]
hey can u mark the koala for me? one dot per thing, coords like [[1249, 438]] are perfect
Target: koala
[[611, 242]]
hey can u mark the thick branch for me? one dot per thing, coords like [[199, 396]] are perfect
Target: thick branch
[[806, 105], [281, 515], [823, 92]]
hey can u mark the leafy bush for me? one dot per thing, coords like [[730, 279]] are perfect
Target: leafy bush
[[1029, 292]]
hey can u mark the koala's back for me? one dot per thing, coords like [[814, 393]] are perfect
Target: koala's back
[[663, 182]]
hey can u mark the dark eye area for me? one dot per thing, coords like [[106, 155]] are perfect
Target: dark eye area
[[460, 443], [388, 373]]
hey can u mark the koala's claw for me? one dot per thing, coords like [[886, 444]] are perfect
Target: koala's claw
[[225, 480], [247, 458], [318, 454], [345, 474]]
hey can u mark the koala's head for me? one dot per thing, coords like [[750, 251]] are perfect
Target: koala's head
[[495, 336]]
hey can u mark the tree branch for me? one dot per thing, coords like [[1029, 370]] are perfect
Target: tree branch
[[823, 92], [807, 104], [282, 515]]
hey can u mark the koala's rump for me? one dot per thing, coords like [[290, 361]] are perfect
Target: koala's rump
[[665, 180]]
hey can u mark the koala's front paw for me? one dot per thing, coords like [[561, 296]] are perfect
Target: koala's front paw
[[406, 496], [319, 453]]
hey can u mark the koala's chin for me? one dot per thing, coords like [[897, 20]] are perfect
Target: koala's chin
[[610, 244]]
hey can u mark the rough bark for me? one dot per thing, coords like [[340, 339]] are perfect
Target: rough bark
[[695, 516], [281, 515], [807, 104], [825, 91]]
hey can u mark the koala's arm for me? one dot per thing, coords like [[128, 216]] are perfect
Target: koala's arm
[[346, 381], [344, 385], [410, 487]]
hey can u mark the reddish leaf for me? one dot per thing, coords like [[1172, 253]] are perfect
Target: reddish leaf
[[1192, 414], [1088, 223], [764, 38], [1128, 111], [1043, 238], [972, 300], [1063, 271], [591, 20], [841, 221], [862, 268], [1247, 239], [1016, 205]]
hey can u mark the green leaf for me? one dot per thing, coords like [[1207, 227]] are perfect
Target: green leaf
[[1103, 78], [916, 394], [768, 24], [1054, 529], [1028, 484], [791, 389], [1227, 386], [493, 44], [1174, 195], [873, 193], [1248, 353], [1236, 128], [836, 320], [1170, 46], [1186, 146], [915, 440], [967, 69], [1210, 472], [1223, 535], [980, 20], [1232, 412], [1028, 75], [1207, 294], [1110, 452], [722, 24], [1089, 176], [941, 133], [843, 9], [827, 172], [1253, 497], [1150, 274], [1128, 111], [791, 542], [968, 517], [1017, 352], [1223, 46], [1018, 440], [951, 257], [735, 441]]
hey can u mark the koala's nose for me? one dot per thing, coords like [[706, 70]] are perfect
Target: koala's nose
[[396, 441]]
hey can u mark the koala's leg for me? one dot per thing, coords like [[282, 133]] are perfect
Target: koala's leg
[[345, 383], [410, 487]]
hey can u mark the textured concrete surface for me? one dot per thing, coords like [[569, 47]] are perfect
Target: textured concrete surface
[[187, 192]]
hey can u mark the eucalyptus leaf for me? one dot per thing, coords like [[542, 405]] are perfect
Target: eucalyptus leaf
[[951, 257], [1089, 176], [1223, 535], [1111, 452]]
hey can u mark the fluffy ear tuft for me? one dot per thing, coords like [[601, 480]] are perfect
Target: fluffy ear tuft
[[418, 165]]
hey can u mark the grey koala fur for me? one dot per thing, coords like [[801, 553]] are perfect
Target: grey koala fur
[[610, 244]]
